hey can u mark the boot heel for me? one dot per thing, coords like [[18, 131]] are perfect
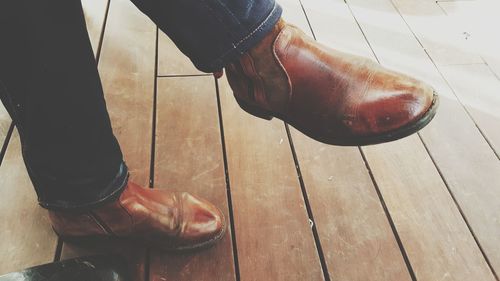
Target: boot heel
[[258, 112]]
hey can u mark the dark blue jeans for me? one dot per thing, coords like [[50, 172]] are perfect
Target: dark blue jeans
[[51, 88]]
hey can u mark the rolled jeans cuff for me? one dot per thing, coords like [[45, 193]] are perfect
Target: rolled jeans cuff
[[213, 33], [87, 201], [247, 42]]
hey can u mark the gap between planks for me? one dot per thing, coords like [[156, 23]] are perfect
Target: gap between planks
[[374, 182], [427, 149]]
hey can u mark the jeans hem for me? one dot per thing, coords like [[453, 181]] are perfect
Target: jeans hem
[[112, 193], [250, 40]]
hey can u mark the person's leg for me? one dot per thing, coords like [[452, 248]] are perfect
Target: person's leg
[[213, 32], [50, 85], [275, 70], [51, 88]]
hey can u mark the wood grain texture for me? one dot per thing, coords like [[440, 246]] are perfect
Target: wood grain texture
[[417, 178], [293, 13], [355, 234], [478, 89], [189, 158], [171, 61], [273, 237], [127, 67], [479, 20], [443, 40], [27, 238], [95, 12], [437, 240], [464, 158], [273, 234]]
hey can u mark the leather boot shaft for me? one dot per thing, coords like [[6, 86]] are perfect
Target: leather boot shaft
[[331, 96]]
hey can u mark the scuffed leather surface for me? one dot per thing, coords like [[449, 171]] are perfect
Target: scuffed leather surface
[[159, 216], [346, 94], [330, 95]]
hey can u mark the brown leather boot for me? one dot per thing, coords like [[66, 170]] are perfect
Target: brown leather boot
[[159, 217], [328, 95]]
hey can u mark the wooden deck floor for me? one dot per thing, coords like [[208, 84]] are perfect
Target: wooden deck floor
[[423, 208]]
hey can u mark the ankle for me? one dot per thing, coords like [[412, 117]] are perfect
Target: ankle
[[268, 79], [268, 40]]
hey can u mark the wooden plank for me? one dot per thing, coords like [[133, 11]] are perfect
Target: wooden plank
[[355, 235], [320, 15], [95, 13], [471, 170], [189, 158], [352, 226], [127, 72], [27, 236], [438, 243], [478, 89], [171, 61], [478, 19], [444, 41], [273, 234], [293, 13], [127, 67], [464, 158], [405, 173]]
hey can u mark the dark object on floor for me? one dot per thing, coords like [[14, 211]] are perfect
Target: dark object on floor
[[95, 268]]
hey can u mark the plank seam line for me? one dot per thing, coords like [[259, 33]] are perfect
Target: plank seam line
[[305, 197], [228, 186], [307, 19], [482, 57], [147, 250], [421, 139], [58, 251], [464, 217], [317, 240], [154, 118], [6, 141], [441, 7], [389, 218], [375, 184], [485, 137], [446, 80], [382, 201], [103, 29], [362, 32], [491, 69]]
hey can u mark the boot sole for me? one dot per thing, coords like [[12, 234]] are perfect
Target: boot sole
[[400, 133]]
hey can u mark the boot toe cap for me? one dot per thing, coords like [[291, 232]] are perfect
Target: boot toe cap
[[203, 222], [394, 110]]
